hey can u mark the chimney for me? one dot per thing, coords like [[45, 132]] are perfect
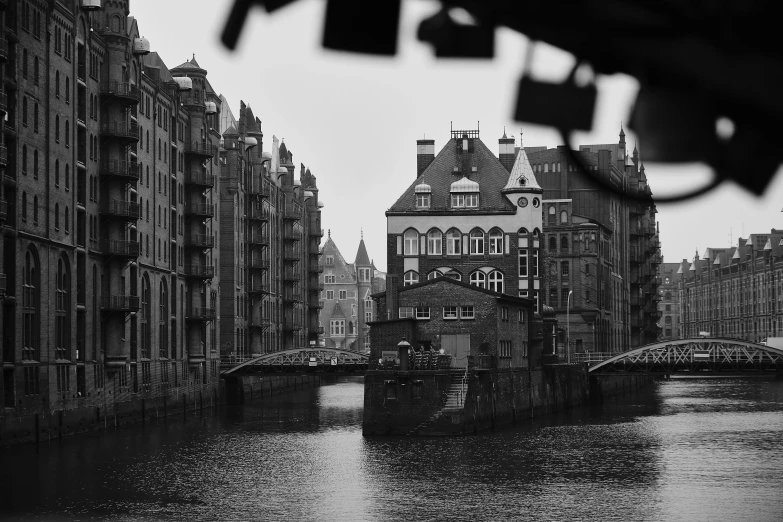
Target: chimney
[[425, 154], [506, 152]]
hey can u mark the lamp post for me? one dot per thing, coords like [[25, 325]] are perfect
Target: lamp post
[[568, 326]]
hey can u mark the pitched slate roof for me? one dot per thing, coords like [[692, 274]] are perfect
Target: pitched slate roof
[[522, 170], [490, 175], [362, 259]]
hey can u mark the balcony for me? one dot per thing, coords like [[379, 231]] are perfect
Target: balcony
[[317, 330], [291, 274], [256, 237], [200, 149], [259, 263], [123, 91], [292, 212], [315, 268], [121, 130], [200, 209], [3, 209], [292, 323], [258, 286], [258, 214], [3, 102], [200, 241], [120, 303], [121, 248], [292, 254], [316, 232], [636, 301], [3, 156], [128, 170], [259, 322], [121, 209], [200, 179], [3, 49], [199, 271], [200, 314], [259, 188], [292, 295], [292, 235], [315, 302]]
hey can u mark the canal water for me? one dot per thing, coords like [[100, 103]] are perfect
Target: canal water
[[691, 449]]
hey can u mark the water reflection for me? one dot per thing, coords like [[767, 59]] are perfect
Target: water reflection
[[692, 450]]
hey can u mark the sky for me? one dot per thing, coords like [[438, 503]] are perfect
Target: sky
[[354, 119]]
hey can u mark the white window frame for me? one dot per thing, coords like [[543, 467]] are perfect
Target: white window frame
[[472, 200], [479, 279], [523, 262], [337, 327], [330, 294], [405, 312], [453, 242], [434, 243], [410, 241], [495, 242], [423, 200], [457, 200], [495, 279], [450, 313], [422, 312], [411, 277], [477, 243], [329, 279], [467, 312], [342, 294]]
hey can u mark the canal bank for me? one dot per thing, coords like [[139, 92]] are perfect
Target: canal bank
[[450, 402], [119, 405]]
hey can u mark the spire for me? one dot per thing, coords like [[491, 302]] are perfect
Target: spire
[[504, 132], [330, 233], [362, 259]]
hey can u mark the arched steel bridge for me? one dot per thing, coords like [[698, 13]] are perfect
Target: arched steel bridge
[[303, 360], [713, 355]]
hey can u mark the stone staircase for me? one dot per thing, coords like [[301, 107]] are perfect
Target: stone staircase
[[455, 401]]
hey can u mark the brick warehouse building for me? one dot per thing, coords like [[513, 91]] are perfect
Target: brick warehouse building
[[112, 215], [669, 275], [599, 245], [346, 297], [734, 291]]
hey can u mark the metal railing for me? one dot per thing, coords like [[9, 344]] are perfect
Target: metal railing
[[120, 303], [200, 209], [201, 148], [125, 209], [125, 169], [200, 241], [197, 270], [120, 129], [200, 178], [120, 247]]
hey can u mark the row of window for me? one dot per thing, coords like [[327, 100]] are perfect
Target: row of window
[[461, 200], [477, 242], [448, 312]]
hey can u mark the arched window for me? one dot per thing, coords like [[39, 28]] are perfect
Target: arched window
[[495, 281], [35, 164], [434, 242], [479, 279], [62, 310], [564, 217], [67, 219], [668, 320], [31, 307], [564, 243], [668, 296], [453, 242], [434, 274], [56, 173], [57, 84], [552, 243], [163, 334], [24, 206], [495, 241], [36, 70], [35, 210], [523, 231], [67, 177], [546, 167], [411, 278], [24, 160], [477, 241], [453, 274], [67, 90], [411, 242], [536, 232], [57, 216], [67, 134], [565, 268]]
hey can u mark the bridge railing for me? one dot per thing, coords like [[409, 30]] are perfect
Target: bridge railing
[[591, 357]]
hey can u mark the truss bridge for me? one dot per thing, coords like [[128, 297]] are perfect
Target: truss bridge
[[299, 360], [707, 355]]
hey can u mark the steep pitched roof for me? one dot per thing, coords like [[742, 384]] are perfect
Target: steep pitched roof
[[342, 270], [522, 173], [362, 259], [490, 174]]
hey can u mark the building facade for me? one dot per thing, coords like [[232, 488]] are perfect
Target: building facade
[[612, 232], [734, 291], [113, 216], [470, 216], [670, 305], [346, 296]]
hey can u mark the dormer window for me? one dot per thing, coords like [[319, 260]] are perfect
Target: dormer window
[[464, 194], [423, 196], [468, 200]]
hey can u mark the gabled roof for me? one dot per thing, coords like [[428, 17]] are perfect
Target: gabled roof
[[337, 311], [342, 270], [490, 174]]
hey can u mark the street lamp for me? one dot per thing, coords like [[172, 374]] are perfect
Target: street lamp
[[568, 326]]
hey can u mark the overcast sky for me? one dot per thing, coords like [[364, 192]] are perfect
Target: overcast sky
[[354, 120]]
